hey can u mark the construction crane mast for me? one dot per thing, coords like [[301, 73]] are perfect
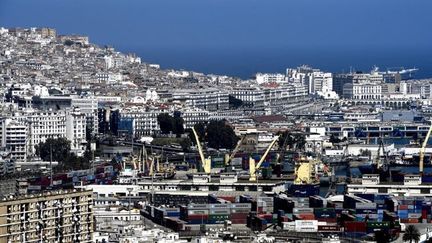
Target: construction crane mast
[[206, 162], [422, 150], [253, 168]]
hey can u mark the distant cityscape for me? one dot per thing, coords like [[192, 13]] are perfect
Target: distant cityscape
[[99, 146]]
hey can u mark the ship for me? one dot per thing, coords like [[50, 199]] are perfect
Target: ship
[[306, 182], [390, 73]]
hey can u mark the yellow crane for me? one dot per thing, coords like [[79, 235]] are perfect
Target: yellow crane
[[206, 162], [422, 150], [228, 158], [253, 168]]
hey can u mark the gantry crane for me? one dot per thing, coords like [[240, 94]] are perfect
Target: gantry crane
[[422, 150], [253, 168], [206, 162]]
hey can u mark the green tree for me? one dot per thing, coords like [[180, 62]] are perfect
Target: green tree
[[165, 123], [178, 127], [59, 147], [234, 103], [220, 135], [169, 124], [411, 234], [292, 140], [382, 236], [334, 139]]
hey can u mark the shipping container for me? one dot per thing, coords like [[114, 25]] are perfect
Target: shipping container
[[355, 226]]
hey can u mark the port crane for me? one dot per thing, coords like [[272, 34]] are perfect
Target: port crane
[[254, 168], [422, 150], [228, 158], [206, 162]]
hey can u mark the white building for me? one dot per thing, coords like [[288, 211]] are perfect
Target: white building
[[262, 78], [194, 116], [89, 107], [363, 91], [13, 136], [41, 125], [320, 82], [76, 131], [143, 121]]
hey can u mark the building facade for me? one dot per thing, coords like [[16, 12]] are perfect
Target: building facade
[[57, 216]]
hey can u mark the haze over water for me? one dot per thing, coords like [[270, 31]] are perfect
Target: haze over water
[[242, 37]]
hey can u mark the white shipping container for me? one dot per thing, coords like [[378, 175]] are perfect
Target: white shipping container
[[241, 205], [306, 226], [236, 161], [303, 210], [194, 212], [290, 226], [366, 206]]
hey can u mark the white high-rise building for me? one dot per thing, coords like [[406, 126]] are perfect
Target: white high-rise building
[[321, 81], [41, 125], [76, 131], [89, 107], [13, 136]]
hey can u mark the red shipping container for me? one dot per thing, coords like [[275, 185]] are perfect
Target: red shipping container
[[413, 221], [355, 226], [424, 214], [403, 207], [228, 198], [197, 216], [238, 221], [328, 220], [284, 219], [305, 216], [239, 215]]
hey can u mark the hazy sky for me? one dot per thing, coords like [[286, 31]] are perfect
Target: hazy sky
[[232, 23]]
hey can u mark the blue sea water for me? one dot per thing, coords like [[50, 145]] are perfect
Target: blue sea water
[[242, 37], [245, 62]]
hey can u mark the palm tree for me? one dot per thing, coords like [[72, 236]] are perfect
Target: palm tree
[[411, 234]]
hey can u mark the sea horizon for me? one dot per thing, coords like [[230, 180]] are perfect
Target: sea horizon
[[246, 62]]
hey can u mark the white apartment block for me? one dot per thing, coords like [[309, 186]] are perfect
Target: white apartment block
[[13, 136], [256, 97], [363, 91], [76, 131], [262, 78], [321, 82], [144, 122], [249, 96], [42, 125], [194, 116], [89, 107], [207, 99]]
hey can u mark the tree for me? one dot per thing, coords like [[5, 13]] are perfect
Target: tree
[[59, 147], [411, 234], [382, 236], [217, 134], [178, 128], [234, 103], [333, 139], [220, 135], [169, 124], [165, 123], [293, 140]]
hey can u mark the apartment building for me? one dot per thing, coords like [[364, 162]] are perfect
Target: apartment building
[[262, 78], [13, 135], [56, 216], [210, 99]]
